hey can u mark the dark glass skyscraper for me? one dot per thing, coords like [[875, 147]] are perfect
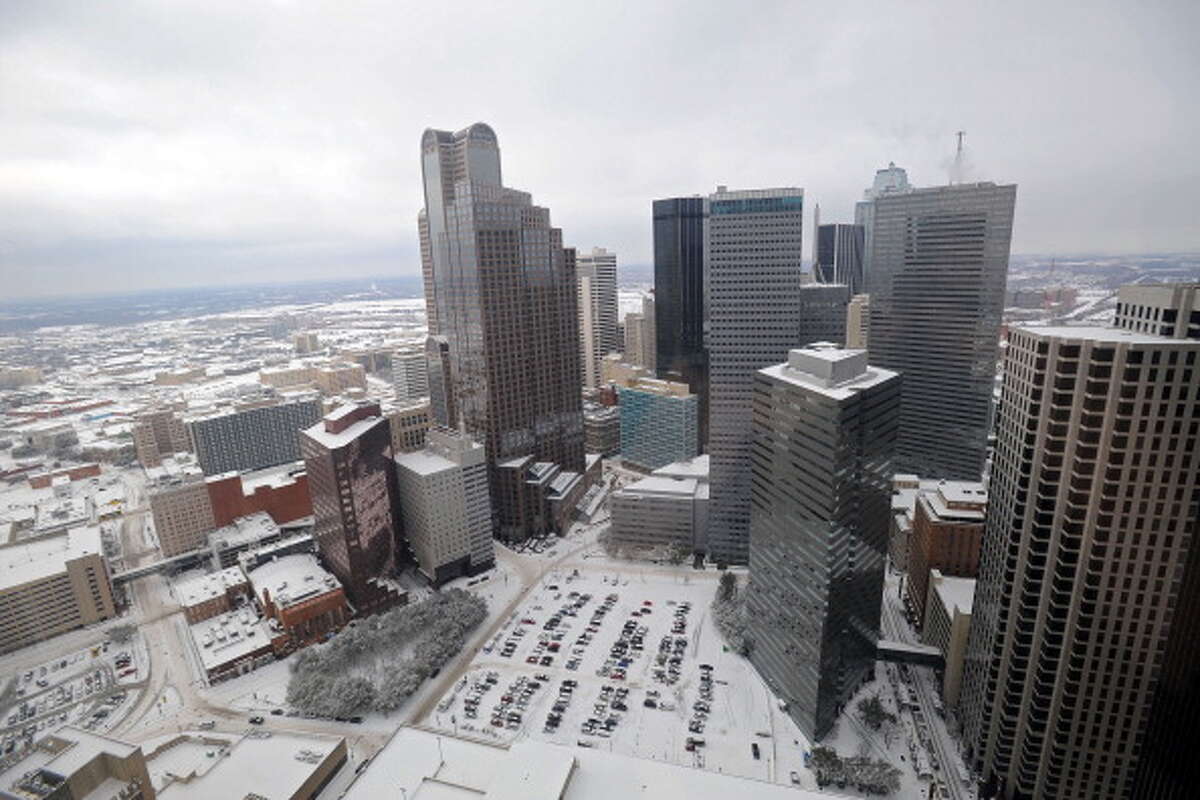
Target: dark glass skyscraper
[[840, 256], [503, 313], [936, 275], [679, 297]]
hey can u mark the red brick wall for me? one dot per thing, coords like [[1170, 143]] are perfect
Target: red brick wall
[[74, 473], [285, 503]]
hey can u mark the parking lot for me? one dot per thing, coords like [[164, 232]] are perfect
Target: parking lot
[[83, 688], [630, 663]]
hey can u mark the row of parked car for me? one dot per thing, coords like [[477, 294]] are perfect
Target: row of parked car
[[509, 712], [607, 711], [566, 690], [703, 705]]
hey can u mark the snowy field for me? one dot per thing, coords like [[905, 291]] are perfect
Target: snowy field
[[742, 711]]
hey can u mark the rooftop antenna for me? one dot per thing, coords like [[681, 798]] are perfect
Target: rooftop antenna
[[956, 176]]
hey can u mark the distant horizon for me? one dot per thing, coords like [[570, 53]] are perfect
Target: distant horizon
[[22, 300]]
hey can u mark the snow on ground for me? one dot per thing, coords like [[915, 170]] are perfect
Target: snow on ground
[[166, 705], [742, 706]]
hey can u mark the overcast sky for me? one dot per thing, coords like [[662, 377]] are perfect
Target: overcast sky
[[168, 144]]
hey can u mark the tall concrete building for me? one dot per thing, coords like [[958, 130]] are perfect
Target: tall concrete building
[[1092, 516], [503, 321], [446, 508], [838, 255], [822, 313], [825, 427], [597, 276], [351, 477], [752, 258], [410, 373], [679, 298], [938, 266], [639, 335], [245, 439], [889, 180], [858, 321]]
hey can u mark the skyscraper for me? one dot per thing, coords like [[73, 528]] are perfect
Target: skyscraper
[[597, 275], [938, 266], [752, 258], [679, 298], [839, 254], [351, 477], [504, 348], [858, 321], [889, 180], [824, 432], [410, 373], [1093, 509], [821, 314]]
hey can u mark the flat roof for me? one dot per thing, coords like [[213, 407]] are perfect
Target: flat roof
[[65, 752], [1102, 334], [46, 556], [292, 579], [424, 462], [688, 468], [333, 441], [420, 765], [269, 764], [229, 636], [954, 592], [872, 376], [245, 530], [193, 589], [662, 486]]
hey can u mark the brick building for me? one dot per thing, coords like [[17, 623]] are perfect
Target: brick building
[[947, 534], [281, 492], [305, 602]]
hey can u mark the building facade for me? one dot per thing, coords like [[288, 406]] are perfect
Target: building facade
[[822, 313], [938, 267], [947, 533], [752, 271], [446, 508], [858, 321], [825, 427], [1092, 514], [504, 320], [351, 478], [51, 585], [659, 423], [839, 256], [1165, 309], [410, 373], [679, 298], [596, 273], [946, 625], [242, 440], [182, 511], [409, 426]]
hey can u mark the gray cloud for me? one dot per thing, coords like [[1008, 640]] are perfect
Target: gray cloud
[[152, 144]]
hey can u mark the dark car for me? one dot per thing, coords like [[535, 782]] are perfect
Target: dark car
[[256, 720]]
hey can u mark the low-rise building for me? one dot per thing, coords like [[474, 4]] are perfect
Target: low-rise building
[[234, 643], [304, 599], [446, 508], [668, 509], [75, 764], [204, 596], [244, 534], [52, 584], [947, 622], [260, 765], [417, 764]]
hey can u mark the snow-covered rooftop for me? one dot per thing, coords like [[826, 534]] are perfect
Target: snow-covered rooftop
[[421, 765], [292, 579], [229, 636], [689, 468], [828, 370], [193, 589], [45, 556], [954, 592], [1103, 334], [424, 462]]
